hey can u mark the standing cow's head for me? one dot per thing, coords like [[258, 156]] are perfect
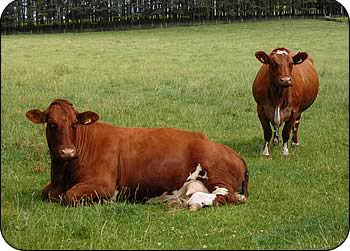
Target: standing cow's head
[[61, 121], [281, 62]]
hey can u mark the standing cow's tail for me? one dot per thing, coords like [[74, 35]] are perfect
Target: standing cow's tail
[[245, 182]]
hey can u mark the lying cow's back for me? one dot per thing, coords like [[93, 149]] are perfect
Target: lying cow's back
[[144, 158]]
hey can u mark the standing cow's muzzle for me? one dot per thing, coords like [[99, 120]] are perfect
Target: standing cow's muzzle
[[67, 153], [285, 81]]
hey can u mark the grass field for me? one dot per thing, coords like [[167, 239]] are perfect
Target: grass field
[[197, 78]]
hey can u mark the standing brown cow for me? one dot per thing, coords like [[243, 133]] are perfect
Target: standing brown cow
[[285, 86], [92, 160]]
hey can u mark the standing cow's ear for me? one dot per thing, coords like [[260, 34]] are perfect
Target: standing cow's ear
[[262, 57], [36, 116], [300, 57], [87, 118]]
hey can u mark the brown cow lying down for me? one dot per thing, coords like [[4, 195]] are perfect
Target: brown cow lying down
[[93, 160]]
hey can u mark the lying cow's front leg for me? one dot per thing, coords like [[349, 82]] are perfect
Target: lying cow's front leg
[[51, 194], [89, 191]]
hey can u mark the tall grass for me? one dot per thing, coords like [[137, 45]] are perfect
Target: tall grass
[[195, 78]]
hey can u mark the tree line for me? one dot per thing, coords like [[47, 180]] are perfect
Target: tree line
[[81, 15]]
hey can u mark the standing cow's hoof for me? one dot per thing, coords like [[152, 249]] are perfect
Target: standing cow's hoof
[[295, 144], [266, 157], [285, 149], [266, 150]]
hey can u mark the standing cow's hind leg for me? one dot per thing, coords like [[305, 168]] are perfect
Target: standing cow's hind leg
[[267, 132], [286, 133], [295, 141]]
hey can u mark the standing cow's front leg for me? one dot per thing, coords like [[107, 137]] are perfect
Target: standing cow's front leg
[[267, 131], [88, 191], [286, 132]]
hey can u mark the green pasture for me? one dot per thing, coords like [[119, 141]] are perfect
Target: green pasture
[[197, 78]]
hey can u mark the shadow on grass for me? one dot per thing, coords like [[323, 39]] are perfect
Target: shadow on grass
[[251, 148]]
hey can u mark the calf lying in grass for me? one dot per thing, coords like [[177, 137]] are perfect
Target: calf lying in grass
[[193, 194]]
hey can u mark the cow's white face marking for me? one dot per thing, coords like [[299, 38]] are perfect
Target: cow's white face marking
[[285, 149], [266, 149], [281, 52], [277, 117], [202, 199]]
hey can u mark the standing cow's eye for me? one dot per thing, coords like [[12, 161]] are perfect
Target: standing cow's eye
[[74, 125], [273, 64], [51, 125]]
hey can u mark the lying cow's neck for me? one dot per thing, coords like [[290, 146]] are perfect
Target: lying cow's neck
[[66, 173], [62, 174]]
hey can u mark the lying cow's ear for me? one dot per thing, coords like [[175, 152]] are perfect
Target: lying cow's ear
[[262, 57], [36, 116], [87, 118], [300, 57]]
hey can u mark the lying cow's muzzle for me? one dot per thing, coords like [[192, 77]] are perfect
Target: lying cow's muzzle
[[67, 153]]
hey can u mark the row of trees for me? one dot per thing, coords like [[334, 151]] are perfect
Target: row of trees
[[78, 15]]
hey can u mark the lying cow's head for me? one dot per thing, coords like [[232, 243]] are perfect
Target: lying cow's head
[[281, 62], [61, 121]]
